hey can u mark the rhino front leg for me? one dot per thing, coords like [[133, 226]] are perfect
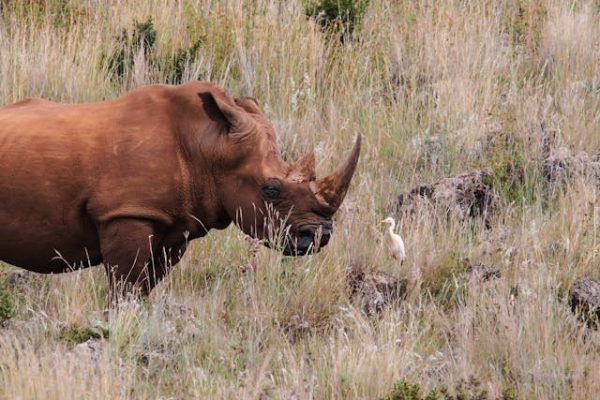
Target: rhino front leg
[[128, 246], [163, 261]]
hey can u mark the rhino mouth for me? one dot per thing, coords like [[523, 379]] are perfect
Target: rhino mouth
[[307, 242], [302, 245], [299, 246]]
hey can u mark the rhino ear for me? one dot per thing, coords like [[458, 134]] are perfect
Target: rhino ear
[[222, 107]]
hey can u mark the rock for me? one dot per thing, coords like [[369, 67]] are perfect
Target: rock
[[17, 278], [483, 272], [584, 298], [464, 196], [372, 291], [562, 165]]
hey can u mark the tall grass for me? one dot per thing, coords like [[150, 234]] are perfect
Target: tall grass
[[448, 71]]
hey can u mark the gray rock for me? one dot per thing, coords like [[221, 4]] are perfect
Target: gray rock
[[17, 278], [562, 166], [372, 291], [584, 298], [464, 196]]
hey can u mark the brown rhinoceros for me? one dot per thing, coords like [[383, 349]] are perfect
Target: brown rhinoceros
[[128, 182]]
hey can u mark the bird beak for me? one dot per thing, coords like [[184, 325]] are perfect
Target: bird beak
[[382, 221]]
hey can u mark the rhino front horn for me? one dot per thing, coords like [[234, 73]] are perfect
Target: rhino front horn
[[332, 189]]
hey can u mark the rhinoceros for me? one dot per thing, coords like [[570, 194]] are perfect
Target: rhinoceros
[[129, 182]]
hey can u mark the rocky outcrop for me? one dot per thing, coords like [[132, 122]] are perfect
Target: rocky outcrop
[[464, 196], [563, 165], [584, 298], [372, 291]]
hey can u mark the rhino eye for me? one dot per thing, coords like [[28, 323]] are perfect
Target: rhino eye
[[271, 191]]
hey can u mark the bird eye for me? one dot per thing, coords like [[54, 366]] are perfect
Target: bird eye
[[271, 191]]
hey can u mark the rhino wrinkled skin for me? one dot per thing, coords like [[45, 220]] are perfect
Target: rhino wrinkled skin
[[128, 182]]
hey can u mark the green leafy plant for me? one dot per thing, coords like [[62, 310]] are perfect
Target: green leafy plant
[[404, 390], [464, 390], [173, 65], [76, 333], [340, 16], [7, 304], [143, 36]]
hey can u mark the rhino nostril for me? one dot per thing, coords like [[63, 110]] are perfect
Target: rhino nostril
[[325, 236], [305, 233]]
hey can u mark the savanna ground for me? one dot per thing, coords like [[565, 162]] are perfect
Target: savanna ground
[[411, 73]]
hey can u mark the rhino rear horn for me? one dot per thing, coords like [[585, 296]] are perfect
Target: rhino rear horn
[[332, 189], [303, 170]]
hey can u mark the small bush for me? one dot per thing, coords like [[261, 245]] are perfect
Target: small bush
[[143, 38], [464, 390], [76, 333], [121, 59], [7, 304], [340, 16], [467, 390], [409, 391], [173, 65]]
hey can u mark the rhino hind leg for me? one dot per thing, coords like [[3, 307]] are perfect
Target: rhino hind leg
[[128, 250]]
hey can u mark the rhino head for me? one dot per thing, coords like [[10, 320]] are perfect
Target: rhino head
[[286, 205]]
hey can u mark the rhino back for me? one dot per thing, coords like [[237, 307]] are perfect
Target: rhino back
[[66, 167]]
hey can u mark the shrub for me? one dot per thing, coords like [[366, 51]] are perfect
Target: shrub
[[340, 16], [173, 65], [143, 38], [464, 390], [409, 391], [128, 44], [76, 333], [7, 304]]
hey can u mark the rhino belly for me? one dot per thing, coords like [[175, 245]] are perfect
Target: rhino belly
[[47, 247], [48, 250], [46, 230]]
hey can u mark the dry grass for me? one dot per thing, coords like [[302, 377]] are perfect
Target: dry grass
[[449, 71]]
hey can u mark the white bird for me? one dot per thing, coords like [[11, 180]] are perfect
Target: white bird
[[395, 242]]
